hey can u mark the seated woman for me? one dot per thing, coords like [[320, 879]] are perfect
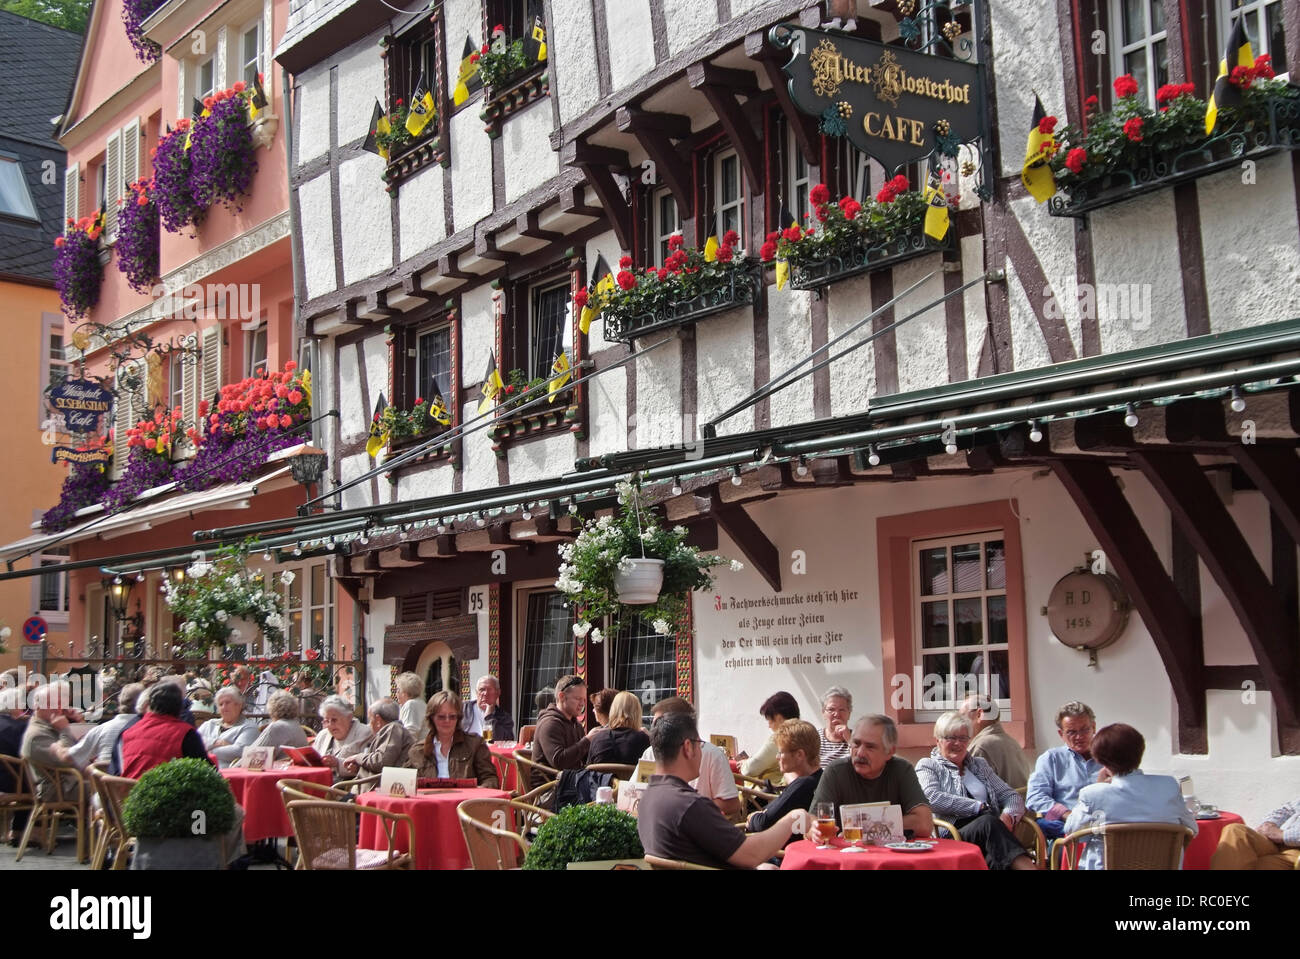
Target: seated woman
[[410, 692], [965, 790], [448, 752], [601, 701], [798, 748], [1274, 845], [284, 728], [389, 746], [776, 709], [226, 734], [622, 740], [343, 734], [1129, 796]]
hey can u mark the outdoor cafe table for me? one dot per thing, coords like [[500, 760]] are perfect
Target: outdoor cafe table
[[437, 828], [947, 854], [1200, 849], [257, 791], [503, 757]]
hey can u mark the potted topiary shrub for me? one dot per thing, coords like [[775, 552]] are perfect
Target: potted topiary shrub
[[584, 834], [181, 814]]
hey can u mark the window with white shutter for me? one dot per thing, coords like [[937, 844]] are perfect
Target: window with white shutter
[[126, 412], [130, 153], [112, 182], [71, 193], [210, 364]]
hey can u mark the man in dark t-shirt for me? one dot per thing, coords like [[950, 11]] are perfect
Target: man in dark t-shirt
[[872, 773], [676, 822]]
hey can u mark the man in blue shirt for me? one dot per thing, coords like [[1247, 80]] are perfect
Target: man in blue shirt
[[1061, 772]]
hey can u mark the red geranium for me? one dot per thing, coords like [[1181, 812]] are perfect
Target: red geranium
[[675, 241], [1133, 129], [580, 298], [473, 57], [819, 194], [1046, 125], [793, 234], [1172, 91], [625, 262], [767, 251], [626, 279], [662, 273], [730, 238], [1090, 104], [1241, 77], [850, 208], [1264, 67], [1125, 86], [725, 254], [1075, 159]]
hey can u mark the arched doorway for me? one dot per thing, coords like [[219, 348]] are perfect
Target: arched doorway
[[438, 668]]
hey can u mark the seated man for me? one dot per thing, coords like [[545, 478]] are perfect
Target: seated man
[[485, 711], [13, 725], [716, 780], [560, 741], [160, 735], [872, 773], [676, 822], [47, 740], [1062, 771], [97, 745], [995, 745], [1274, 845], [389, 745]]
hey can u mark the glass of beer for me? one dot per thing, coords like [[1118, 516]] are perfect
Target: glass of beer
[[824, 814], [852, 830], [487, 732]]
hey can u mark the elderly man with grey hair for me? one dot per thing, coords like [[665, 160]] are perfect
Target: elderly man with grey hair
[[97, 745], [995, 745], [1061, 772], [387, 747], [873, 774], [837, 707], [343, 735], [48, 740], [226, 734], [484, 712]]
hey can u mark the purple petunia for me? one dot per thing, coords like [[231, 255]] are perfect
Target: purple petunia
[[172, 191], [78, 274], [222, 161], [84, 486], [134, 14], [137, 242]]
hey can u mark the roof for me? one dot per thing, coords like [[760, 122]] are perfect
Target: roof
[[38, 64], [330, 25]]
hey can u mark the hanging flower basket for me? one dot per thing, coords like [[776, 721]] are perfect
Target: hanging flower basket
[[640, 585], [627, 566], [78, 269], [219, 597]]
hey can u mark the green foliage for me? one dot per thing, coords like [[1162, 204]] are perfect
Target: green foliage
[[213, 593], [499, 68], [64, 14], [163, 803], [584, 834]]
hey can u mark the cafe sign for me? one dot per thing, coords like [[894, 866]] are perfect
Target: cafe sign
[[894, 104], [81, 403], [71, 454]]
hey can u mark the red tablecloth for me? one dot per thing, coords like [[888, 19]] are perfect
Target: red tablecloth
[[440, 844], [264, 813], [1200, 849], [503, 757], [948, 854]]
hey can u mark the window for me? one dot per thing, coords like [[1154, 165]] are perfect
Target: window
[[250, 53], [666, 222], [548, 321], [796, 174], [728, 194], [644, 663], [15, 198], [952, 604], [101, 186], [433, 365], [53, 602], [255, 351], [205, 80], [514, 15], [58, 365], [308, 609], [1142, 48], [176, 382], [961, 617], [548, 649], [1263, 26]]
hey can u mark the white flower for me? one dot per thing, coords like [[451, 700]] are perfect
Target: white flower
[[661, 627], [625, 565], [222, 616], [646, 534], [679, 530], [287, 577], [582, 629], [736, 566], [596, 636], [5, 632]]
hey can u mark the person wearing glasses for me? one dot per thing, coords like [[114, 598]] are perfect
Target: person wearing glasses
[[965, 790], [1064, 770], [560, 741], [837, 706]]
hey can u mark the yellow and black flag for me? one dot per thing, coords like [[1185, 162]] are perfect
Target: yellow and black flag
[[492, 385], [1226, 93], [711, 244], [602, 283], [936, 211], [535, 40], [1037, 174], [561, 373], [257, 102], [467, 78], [438, 411], [378, 433], [788, 220], [197, 109], [378, 124], [421, 108]]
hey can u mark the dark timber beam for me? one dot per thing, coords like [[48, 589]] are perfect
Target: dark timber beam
[[449, 266], [485, 246], [746, 534], [1206, 523], [1175, 630], [575, 201], [655, 132], [720, 86], [412, 286], [1197, 420], [1275, 471], [528, 224], [804, 127], [597, 164]]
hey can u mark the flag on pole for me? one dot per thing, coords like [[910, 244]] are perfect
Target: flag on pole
[[936, 211], [1226, 93], [421, 108], [378, 432], [561, 373], [378, 124], [438, 411], [788, 220], [1036, 174], [467, 78], [535, 41], [257, 102], [492, 384]]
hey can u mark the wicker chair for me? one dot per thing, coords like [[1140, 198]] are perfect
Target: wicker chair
[[488, 826], [620, 771], [678, 864], [310, 733], [953, 831], [22, 799], [760, 785], [1029, 835], [112, 791], [359, 785], [752, 800], [1129, 845], [540, 799], [48, 812], [526, 735], [524, 766], [326, 831]]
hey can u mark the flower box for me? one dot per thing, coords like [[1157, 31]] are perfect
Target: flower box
[[733, 288], [544, 418], [420, 155], [509, 98], [863, 256]]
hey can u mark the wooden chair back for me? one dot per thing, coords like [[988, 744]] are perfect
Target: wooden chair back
[[524, 766], [623, 771], [326, 831], [541, 799], [679, 864], [953, 831], [1129, 845], [494, 831], [1029, 835], [67, 797], [22, 798], [752, 800], [526, 735], [112, 792]]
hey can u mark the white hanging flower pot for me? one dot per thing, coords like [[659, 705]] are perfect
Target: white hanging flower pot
[[640, 585]]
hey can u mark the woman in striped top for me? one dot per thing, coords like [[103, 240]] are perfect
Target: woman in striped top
[[837, 706]]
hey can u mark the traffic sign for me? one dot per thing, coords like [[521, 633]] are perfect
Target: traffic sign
[[34, 629]]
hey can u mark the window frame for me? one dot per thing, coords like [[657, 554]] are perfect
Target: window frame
[[34, 216], [658, 234], [895, 536], [533, 290], [51, 325], [795, 185], [1256, 10], [176, 381], [525, 703], [418, 388], [199, 93], [739, 204], [1147, 43], [53, 556], [619, 672], [254, 27], [251, 363]]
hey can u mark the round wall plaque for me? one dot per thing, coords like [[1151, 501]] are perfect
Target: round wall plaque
[[1087, 610]]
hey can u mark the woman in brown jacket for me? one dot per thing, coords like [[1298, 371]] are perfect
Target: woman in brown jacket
[[448, 752]]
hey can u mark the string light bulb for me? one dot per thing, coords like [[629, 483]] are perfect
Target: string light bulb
[[735, 476], [1238, 403], [480, 519], [1035, 434], [527, 513], [801, 466], [873, 455], [297, 550], [1130, 415], [139, 577], [677, 486]]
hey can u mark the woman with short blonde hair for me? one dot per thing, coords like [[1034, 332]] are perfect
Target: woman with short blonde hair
[[623, 741], [284, 728], [798, 748], [410, 690]]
